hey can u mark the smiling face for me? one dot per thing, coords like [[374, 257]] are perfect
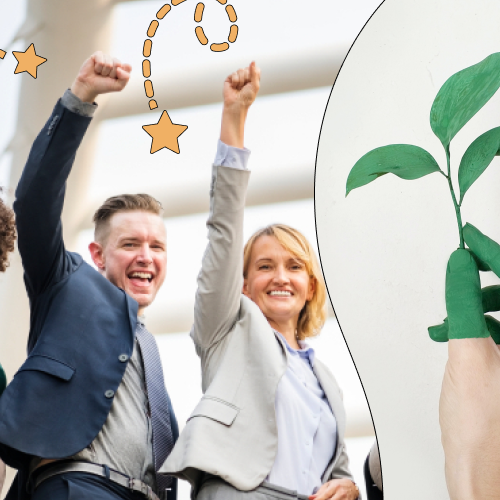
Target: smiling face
[[278, 282], [133, 256]]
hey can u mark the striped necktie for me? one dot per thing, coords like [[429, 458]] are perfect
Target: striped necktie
[[163, 441]]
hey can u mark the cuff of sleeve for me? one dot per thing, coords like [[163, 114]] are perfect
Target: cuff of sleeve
[[229, 156], [76, 105]]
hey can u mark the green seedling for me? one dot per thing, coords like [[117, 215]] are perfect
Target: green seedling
[[457, 101]]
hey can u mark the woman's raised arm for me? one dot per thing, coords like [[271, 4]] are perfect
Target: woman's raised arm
[[221, 277]]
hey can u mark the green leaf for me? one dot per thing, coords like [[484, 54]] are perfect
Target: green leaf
[[477, 158], [462, 96], [404, 160]]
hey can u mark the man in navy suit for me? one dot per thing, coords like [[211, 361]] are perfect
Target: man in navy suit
[[87, 415]]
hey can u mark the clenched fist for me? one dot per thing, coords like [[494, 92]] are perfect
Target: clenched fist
[[240, 91], [100, 74], [241, 87]]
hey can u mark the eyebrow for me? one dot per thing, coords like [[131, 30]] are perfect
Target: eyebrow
[[270, 259], [134, 239]]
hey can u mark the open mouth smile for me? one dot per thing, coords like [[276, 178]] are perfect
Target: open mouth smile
[[141, 278], [280, 293]]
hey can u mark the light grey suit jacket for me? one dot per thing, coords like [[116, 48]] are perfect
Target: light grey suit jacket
[[232, 431]]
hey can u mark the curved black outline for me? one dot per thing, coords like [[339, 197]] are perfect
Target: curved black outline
[[317, 239]]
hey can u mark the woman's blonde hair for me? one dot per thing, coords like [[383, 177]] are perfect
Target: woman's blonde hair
[[313, 315]]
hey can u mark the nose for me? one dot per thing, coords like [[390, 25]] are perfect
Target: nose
[[144, 256], [280, 275]]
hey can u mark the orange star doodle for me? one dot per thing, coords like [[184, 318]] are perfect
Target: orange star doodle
[[165, 134], [2, 53], [28, 61]]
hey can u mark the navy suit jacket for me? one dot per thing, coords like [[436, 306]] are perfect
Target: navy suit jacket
[[80, 323]]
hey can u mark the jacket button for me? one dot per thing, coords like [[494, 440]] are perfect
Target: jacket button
[[123, 358], [109, 393]]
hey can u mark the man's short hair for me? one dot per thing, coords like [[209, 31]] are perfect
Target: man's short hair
[[122, 203], [7, 234]]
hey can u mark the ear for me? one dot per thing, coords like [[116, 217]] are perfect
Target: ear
[[312, 289], [97, 254], [245, 288]]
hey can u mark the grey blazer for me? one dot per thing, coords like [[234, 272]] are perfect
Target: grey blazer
[[232, 431]]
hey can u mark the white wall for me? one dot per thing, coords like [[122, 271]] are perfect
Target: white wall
[[384, 248]]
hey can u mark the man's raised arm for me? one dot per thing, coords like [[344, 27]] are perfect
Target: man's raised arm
[[40, 192]]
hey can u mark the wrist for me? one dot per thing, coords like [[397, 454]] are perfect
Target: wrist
[[233, 126], [82, 91], [355, 491]]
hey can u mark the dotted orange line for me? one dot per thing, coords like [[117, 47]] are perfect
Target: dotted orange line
[[233, 31], [219, 47], [198, 13], [146, 51], [231, 13], [152, 28], [163, 11], [200, 34]]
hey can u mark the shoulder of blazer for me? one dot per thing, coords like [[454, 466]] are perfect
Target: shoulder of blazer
[[80, 282]]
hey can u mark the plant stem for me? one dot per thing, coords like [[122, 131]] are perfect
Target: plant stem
[[454, 198]]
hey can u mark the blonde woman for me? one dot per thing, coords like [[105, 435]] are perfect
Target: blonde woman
[[271, 421]]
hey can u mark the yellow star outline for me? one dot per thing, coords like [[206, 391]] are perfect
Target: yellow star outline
[[165, 134], [28, 61]]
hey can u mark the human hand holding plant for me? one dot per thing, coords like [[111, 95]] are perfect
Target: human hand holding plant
[[470, 395]]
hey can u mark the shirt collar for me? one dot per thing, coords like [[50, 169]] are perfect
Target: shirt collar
[[305, 350]]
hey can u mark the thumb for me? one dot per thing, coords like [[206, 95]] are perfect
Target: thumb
[[463, 297], [123, 72], [254, 74]]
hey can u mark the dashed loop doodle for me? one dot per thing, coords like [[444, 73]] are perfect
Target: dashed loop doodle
[[165, 133], [233, 30]]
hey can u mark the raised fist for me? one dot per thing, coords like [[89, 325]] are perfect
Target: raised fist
[[100, 74], [241, 87]]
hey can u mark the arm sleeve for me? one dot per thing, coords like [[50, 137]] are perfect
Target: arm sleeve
[[40, 198], [76, 105], [232, 157], [220, 280]]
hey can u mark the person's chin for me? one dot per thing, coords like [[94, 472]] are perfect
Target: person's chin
[[144, 299], [278, 312]]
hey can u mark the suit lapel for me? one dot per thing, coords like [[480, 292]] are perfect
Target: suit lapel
[[282, 344], [332, 393], [132, 307]]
